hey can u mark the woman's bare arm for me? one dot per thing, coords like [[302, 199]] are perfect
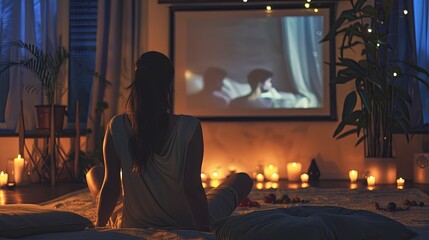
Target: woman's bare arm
[[194, 190], [111, 188]]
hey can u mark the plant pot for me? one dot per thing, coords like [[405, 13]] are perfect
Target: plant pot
[[421, 168], [383, 169], [43, 117]]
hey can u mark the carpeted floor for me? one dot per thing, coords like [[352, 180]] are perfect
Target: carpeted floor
[[82, 203]]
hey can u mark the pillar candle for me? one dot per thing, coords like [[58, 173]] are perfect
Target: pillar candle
[[353, 174], [371, 181], [3, 179], [18, 166], [293, 171], [269, 170]]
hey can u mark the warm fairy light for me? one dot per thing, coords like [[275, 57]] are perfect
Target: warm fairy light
[[307, 5], [268, 8], [378, 44], [308, 0], [203, 177], [274, 185], [353, 174], [260, 177], [244, 0], [395, 74], [316, 10], [215, 175], [369, 30], [259, 185], [405, 11]]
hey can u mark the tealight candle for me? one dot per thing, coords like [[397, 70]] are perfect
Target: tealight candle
[[304, 178], [3, 178], [353, 174], [260, 177], [18, 167], [275, 177], [293, 171], [400, 183], [371, 181]]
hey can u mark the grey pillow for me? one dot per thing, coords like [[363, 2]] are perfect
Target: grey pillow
[[18, 220], [312, 223]]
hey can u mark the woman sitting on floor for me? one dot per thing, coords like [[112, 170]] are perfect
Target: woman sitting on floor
[[160, 155]]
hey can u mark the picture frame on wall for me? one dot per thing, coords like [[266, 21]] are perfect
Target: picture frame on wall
[[244, 63]]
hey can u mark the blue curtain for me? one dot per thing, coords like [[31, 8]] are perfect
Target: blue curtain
[[421, 19]]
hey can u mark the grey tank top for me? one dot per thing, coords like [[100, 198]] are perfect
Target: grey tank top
[[155, 199]]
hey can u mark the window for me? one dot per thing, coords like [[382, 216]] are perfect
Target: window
[[5, 25], [83, 34]]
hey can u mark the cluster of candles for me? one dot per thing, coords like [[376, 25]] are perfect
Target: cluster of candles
[[370, 180], [18, 169], [270, 174]]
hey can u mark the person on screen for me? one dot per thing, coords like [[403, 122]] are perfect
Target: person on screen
[[159, 156], [262, 94], [211, 95]]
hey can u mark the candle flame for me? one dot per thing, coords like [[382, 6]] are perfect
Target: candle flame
[[2, 173], [19, 156]]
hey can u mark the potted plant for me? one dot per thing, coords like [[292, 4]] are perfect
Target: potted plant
[[46, 66], [377, 106]]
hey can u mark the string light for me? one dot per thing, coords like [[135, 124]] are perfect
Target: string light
[[308, 0], [316, 10], [378, 44], [369, 30], [244, 0], [395, 74], [268, 8], [405, 11], [307, 5]]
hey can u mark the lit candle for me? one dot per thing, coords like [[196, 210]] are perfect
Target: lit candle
[[259, 186], [400, 183], [18, 168], [304, 178], [215, 175], [203, 177], [269, 170], [353, 174], [3, 179], [260, 177], [371, 181], [275, 177], [293, 171]]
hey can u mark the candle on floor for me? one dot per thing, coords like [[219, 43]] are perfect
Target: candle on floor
[[275, 177], [203, 177], [260, 177], [3, 179], [371, 181], [18, 166], [293, 171], [400, 183], [353, 174], [269, 170], [304, 178]]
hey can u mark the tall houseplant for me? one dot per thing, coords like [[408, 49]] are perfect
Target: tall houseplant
[[46, 66], [377, 106]]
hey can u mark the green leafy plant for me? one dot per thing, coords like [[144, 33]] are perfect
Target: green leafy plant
[[45, 65], [378, 105]]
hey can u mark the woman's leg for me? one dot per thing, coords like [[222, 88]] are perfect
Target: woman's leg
[[94, 179], [223, 199]]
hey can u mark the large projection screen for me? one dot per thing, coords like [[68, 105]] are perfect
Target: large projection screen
[[250, 63]]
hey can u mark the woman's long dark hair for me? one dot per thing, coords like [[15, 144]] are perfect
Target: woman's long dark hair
[[149, 103]]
